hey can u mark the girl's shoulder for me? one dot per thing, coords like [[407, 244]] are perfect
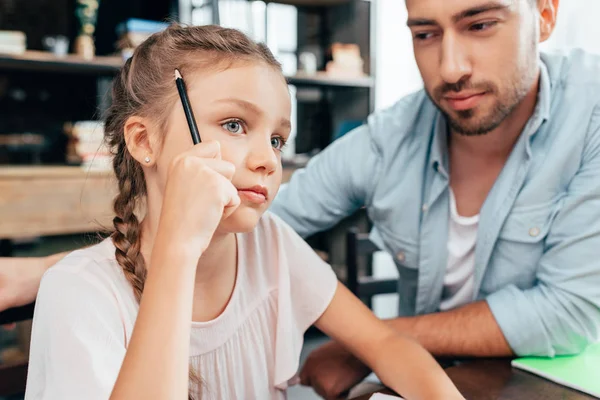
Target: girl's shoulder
[[273, 252], [270, 245], [274, 233], [94, 267]]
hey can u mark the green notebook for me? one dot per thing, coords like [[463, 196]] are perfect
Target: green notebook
[[580, 372]]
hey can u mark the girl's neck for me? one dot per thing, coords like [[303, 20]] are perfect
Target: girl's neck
[[215, 274], [219, 259]]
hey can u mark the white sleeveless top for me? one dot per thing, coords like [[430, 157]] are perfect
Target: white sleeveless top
[[86, 311]]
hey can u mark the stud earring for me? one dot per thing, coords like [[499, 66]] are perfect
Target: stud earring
[[147, 159]]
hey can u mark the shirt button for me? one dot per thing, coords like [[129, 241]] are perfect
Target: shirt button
[[425, 208], [535, 231], [401, 256]]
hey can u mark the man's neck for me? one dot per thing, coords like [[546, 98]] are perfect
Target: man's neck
[[498, 143]]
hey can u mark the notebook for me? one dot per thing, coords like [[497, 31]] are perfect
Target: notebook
[[580, 372]]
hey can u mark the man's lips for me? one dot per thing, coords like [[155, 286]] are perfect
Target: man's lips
[[464, 101]]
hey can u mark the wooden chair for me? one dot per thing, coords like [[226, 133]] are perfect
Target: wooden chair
[[14, 376], [364, 287]]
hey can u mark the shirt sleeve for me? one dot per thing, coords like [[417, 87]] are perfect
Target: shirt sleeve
[[306, 286], [562, 311], [78, 340], [334, 184]]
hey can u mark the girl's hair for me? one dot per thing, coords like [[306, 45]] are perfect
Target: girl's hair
[[146, 87]]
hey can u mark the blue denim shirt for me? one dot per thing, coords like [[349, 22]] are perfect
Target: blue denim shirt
[[537, 260]]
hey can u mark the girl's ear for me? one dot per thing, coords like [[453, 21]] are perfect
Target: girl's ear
[[138, 141]]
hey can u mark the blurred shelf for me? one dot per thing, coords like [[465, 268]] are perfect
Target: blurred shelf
[[53, 200], [48, 62], [310, 3], [322, 79], [49, 172]]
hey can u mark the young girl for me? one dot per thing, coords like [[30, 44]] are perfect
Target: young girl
[[225, 290]]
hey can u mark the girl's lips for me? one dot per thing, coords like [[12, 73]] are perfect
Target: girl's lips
[[252, 196]]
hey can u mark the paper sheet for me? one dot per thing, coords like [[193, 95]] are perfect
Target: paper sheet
[[379, 396]]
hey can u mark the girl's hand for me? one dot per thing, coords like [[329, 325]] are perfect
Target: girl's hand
[[198, 195]]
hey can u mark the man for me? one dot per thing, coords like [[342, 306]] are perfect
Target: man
[[485, 187]]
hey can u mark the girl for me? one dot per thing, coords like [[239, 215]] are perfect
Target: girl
[[205, 250]]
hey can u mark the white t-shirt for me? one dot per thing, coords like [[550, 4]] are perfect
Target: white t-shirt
[[460, 270], [86, 310]]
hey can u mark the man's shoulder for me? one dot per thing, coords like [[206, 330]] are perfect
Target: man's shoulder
[[575, 81], [576, 69], [402, 119]]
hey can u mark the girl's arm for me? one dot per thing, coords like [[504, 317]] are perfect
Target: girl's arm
[[198, 194], [400, 363], [156, 362]]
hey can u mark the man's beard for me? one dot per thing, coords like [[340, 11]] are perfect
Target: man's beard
[[465, 122]]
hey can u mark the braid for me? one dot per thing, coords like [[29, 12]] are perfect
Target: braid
[[127, 235]]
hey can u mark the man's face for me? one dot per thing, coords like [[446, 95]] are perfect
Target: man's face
[[478, 59]]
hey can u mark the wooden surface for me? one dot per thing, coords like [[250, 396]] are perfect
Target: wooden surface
[[39, 201], [496, 380]]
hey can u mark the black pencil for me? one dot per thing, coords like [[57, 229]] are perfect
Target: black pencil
[[185, 101]]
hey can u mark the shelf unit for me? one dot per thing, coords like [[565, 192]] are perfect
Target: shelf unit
[[103, 65], [320, 23]]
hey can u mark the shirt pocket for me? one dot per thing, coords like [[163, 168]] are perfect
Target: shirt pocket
[[520, 246], [529, 224]]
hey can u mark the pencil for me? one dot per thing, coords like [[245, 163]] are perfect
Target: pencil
[[185, 101]]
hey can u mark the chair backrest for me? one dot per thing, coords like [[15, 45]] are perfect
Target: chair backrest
[[364, 287]]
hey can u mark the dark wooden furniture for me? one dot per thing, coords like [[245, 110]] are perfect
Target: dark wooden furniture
[[497, 380], [358, 246], [14, 376]]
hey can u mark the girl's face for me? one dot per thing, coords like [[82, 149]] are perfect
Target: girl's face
[[246, 108]]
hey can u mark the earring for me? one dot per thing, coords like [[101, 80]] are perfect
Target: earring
[[147, 159]]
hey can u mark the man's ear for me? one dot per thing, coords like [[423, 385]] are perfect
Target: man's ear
[[138, 141], [548, 10]]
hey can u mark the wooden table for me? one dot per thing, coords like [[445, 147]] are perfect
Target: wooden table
[[496, 380]]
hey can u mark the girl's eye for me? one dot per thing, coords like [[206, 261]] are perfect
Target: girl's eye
[[277, 142], [233, 126]]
